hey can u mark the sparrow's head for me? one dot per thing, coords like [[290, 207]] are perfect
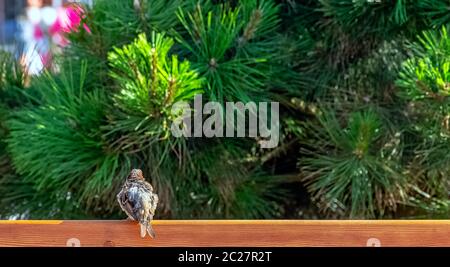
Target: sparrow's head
[[136, 174]]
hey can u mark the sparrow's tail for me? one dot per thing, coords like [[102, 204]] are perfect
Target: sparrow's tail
[[147, 228], [143, 229], [150, 230]]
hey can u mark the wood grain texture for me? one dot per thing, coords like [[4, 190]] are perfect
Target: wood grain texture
[[223, 233]]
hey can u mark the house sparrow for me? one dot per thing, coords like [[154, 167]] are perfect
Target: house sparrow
[[138, 201]]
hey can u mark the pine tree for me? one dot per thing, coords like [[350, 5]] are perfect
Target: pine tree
[[368, 99], [363, 88], [425, 85]]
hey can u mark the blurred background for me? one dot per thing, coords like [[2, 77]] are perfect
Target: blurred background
[[32, 29], [363, 88]]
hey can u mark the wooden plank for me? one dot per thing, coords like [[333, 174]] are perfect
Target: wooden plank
[[223, 233]]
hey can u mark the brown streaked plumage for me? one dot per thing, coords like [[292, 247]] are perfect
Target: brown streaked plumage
[[138, 201]]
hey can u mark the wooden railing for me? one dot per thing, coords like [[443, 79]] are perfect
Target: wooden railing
[[223, 233]]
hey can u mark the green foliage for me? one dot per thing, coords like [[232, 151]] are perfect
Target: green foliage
[[384, 15], [12, 83], [225, 187], [56, 146], [114, 24], [4, 160], [436, 11], [353, 168], [149, 82], [233, 47], [10, 70], [425, 84], [12, 78], [428, 74], [169, 80]]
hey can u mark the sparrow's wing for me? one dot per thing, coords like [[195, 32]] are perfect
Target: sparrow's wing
[[154, 203], [120, 199], [127, 206], [147, 186], [150, 199]]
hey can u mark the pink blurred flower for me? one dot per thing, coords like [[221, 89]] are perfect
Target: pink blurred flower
[[71, 21], [68, 20], [56, 28], [37, 32]]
